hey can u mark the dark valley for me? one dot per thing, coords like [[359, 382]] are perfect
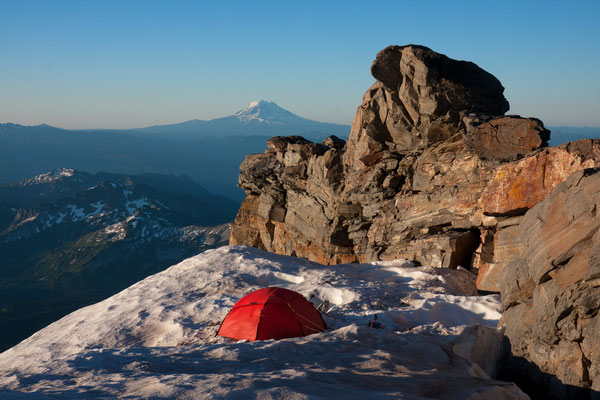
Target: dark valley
[[69, 239]]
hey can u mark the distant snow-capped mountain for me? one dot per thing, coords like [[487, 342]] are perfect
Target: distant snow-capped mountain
[[564, 134], [260, 117], [210, 152], [267, 112]]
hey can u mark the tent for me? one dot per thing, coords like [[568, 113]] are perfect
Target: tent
[[271, 313]]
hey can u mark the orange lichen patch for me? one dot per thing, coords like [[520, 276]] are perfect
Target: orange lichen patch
[[518, 186], [526, 189]]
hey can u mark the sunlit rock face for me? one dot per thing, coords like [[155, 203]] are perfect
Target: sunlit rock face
[[551, 293], [432, 171], [420, 98]]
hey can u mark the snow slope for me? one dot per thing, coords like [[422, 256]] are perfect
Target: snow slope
[[157, 338]]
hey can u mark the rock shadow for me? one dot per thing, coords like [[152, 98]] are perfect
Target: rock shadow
[[537, 384]]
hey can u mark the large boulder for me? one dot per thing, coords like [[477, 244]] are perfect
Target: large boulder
[[435, 173], [551, 294], [421, 94], [419, 99]]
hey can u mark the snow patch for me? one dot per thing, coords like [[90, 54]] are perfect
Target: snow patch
[[48, 177], [133, 205], [61, 217], [98, 206], [76, 213]]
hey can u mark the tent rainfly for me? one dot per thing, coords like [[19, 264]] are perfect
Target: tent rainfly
[[271, 313]]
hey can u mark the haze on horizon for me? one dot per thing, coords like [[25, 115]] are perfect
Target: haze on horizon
[[112, 64]]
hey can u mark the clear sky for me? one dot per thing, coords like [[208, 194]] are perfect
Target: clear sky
[[127, 63]]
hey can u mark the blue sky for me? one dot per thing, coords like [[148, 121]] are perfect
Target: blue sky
[[120, 64]]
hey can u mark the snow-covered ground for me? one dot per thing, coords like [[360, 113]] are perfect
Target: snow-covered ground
[[157, 339]]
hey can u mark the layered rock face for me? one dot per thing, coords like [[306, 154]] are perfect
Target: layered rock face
[[551, 294], [420, 99], [432, 172]]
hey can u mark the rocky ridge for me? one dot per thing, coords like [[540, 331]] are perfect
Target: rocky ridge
[[432, 171]]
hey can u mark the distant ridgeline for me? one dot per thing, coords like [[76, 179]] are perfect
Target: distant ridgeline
[[210, 152], [69, 239], [564, 134]]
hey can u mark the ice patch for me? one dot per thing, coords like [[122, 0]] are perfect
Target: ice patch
[[133, 205], [336, 296], [61, 217], [76, 212]]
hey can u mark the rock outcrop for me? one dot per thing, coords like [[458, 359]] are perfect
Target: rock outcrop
[[432, 171], [551, 293]]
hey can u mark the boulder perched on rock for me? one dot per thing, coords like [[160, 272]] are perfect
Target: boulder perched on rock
[[552, 293], [419, 99], [421, 95], [504, 138], [432, 172]]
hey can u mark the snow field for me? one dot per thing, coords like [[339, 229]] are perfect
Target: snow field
[[157, 338]]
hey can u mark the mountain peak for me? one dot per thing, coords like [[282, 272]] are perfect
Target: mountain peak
[[51, 176], [258, 103], [265, 111]]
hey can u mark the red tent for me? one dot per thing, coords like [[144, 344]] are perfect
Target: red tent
[[271, 313]]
